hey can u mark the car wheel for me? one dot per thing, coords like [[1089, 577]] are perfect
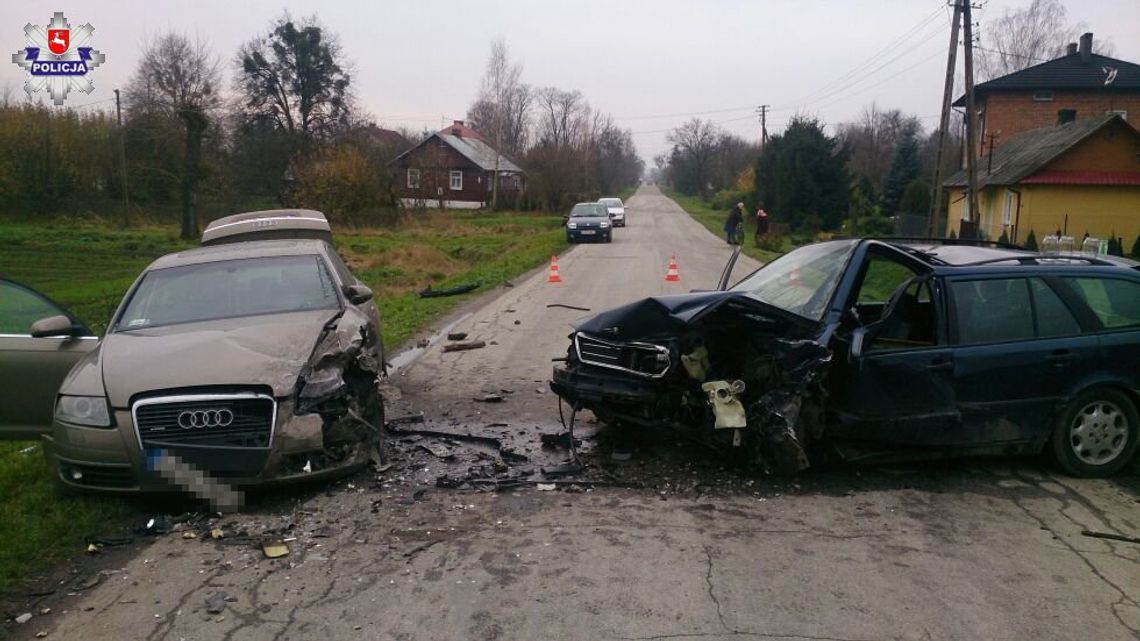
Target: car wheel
[[1096, 434], [609, 238]]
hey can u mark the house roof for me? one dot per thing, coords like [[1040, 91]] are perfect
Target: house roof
[[1083, 178], [386, 136], [1026, 153], [479, 152], [471, 145], [1067, 72]]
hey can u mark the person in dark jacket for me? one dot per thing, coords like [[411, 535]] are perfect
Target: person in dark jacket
[[734, 223]]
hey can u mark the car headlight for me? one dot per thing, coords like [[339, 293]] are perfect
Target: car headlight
[[603, 224], [571, 225], [83, 410]]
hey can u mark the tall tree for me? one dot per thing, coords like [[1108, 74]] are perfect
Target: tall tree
[[870, 142], [1023, 37], [906, 165], [694, 146], [502, 109], [177, 80], [295, 78], [801, 177]]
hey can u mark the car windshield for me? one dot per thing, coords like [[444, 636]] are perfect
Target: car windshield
[[588, 210], [610, 202], [801, 281], [229, 289]]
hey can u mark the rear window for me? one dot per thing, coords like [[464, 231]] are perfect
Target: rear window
[[989, 311], [1115, 302]]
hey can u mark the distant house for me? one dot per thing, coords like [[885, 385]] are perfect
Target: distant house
[[1079, 177], [1079, 84], [455, 167], [392, 143]]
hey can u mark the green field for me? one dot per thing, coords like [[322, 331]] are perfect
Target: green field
[[88, 267]]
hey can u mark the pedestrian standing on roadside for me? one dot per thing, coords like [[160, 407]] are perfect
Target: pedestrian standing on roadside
[[761, 223], [734, 223]]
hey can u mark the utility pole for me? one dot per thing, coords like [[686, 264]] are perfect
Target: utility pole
[[763, 109], [123, 159], [969, 226], [990, 152], [944, 122]]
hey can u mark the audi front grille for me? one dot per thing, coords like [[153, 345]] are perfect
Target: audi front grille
[[643, 359], [240, 420]]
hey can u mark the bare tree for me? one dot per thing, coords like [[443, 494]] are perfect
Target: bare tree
[[870, 141], [560, 116], [502, 109], [695, 144], [1024, 37], [178, 80]]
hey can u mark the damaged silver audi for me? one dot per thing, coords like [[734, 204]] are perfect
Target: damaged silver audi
[[253, 359], [878, 350]]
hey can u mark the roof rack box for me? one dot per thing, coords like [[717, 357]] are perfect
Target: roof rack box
[[270, 224]]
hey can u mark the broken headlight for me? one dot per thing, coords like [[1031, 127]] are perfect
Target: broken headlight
[[83, 410]]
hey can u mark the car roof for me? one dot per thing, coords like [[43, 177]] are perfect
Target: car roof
[[954, 258], [235, 251]]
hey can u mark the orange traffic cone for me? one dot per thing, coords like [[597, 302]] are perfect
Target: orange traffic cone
[[554, 277], [672, 276]]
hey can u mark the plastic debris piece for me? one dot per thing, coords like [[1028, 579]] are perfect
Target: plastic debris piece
[[456, 336], [459, 347], [189, 535], [275, 549], [216, 603], [217, 533], [546, 487], [24, 618]]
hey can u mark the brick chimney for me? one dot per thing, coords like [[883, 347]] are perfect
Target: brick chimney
[[457, 128], [1086, 47], [1070, 48]]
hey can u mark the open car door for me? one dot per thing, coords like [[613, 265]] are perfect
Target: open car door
[[40, 341]]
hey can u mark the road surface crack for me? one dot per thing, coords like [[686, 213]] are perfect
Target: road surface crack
[[712, 593]]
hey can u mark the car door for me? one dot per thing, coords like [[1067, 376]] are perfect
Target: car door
[[1017, 347], [895, 388], [31, 369]]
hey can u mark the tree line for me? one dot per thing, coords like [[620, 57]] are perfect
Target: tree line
[[286, 131], [571, 150], [870, 175]]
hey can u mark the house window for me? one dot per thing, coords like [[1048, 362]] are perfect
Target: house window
[[1042, 96], [456, 180], [1066, 115], [1007, 213], [413, 179]]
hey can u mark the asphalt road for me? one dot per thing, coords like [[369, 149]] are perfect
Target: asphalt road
[[959, 550]]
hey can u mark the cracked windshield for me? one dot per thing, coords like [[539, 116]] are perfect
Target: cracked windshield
[[570, 320]]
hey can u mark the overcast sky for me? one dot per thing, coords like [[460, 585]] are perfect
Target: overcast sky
[[418, 64]]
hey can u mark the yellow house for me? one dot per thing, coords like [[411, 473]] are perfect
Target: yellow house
[[1080, 177]]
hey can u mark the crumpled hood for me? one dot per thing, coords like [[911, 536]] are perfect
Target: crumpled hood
[[664, 315], [261, 350]]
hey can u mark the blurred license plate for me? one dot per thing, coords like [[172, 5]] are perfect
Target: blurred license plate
[[587, 232]]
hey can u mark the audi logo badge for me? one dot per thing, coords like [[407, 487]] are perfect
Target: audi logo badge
[[191, 419]]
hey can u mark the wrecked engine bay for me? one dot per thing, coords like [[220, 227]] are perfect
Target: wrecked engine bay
[[743, 376]]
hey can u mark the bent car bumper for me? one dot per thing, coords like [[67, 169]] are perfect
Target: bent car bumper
[[114, 459]]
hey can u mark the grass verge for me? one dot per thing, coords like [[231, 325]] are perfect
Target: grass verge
[[713, 220], [88, 267]]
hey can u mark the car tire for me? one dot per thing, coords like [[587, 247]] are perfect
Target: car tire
[[1096, 434], [610, 237]]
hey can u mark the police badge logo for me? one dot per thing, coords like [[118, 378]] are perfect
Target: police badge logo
[[65, 64]]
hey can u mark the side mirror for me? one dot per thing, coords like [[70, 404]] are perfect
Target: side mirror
[[858, 338], [357, 294], [54, 326]]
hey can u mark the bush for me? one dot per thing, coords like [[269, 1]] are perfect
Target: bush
[[1135, 253], [1115, 246], [953, 235], [771, 243], [727, 199], [1031, 241], [1004, 238], [875, 226], [344, 184]]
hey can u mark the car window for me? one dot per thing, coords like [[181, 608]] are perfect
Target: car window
[[588, 210], [1115, 302], [19, 308], [912, 322], [1054, 318], [229, 289], [882, 277], [801, 281], [992, 310]]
